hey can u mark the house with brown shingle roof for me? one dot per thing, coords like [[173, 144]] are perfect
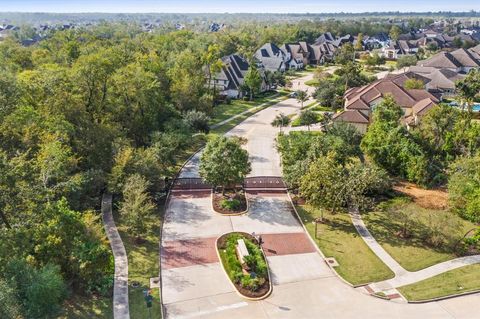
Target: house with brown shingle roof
[[360, 102], [460, 60]]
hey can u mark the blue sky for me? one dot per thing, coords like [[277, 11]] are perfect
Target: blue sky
[[271, 6]]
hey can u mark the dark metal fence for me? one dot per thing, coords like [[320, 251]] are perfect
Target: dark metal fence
[[258, 182], [190, 184], [264, 182]]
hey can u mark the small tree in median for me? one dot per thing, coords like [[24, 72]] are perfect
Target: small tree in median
[[224, 163], [308, 118], [280, 121], [302, 96]]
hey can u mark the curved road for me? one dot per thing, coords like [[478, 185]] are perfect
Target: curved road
[[194, 284]]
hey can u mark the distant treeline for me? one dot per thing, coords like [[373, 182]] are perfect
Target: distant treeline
[[191, 18]]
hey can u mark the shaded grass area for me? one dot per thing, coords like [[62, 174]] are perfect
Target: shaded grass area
[[143, 263], [414, 253], [338, 238], [79, 307], [224, 111], [452, 282]]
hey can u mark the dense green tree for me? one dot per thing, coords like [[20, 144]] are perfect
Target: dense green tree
[[329, 94], [414, 84], [359, 44], [224, 163], [464, 187], [469, 88], [308, 118], [390, 146], [395, 32], [330, 185], [136, 205], [405, 61], [39, 291], [253, 80], [345, 54], [9, 305], [197, 121]]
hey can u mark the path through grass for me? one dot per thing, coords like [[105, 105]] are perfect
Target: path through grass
[[338, 238]]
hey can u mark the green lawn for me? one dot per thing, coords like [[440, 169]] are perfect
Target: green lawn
[[339, 239], [87, 308], [452, 282], [312, 82], [143, 263], [230, 125], [224, 111], [413, 253]]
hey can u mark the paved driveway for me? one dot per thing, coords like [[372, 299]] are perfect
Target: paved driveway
[[194, 284]]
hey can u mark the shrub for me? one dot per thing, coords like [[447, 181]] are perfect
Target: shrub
[[230, 204], [197, 121]]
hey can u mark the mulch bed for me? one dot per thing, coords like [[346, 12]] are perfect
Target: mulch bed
[[261, 291], [218, 198]]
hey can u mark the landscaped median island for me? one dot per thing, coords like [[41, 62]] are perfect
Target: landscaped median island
[[229, 202], [458, 281], [245, 264]]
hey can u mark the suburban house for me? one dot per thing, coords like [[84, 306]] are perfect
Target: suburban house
[[326, 37], [460, 60], [321, 53], [438, 80], [272, 58], [399, 48], [296, 56], [231, 77], [360, 102]]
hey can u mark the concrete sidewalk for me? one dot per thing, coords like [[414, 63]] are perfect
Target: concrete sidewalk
[[121, 308], [402, 276]]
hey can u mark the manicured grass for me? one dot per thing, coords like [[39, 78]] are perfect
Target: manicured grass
[[296, 122], [224, 111], [320, 108], [143, 263], [312, 82], [413, 253], [231, 124], [452, 282], [87, 308], [338, 238]]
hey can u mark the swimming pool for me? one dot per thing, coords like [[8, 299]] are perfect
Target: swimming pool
[[475, 107]]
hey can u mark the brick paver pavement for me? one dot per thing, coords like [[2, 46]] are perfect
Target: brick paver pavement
[[184, 253], [286, 244]]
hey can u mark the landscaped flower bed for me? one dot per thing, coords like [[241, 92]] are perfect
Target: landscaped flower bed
[[250, 278], [230, 203]]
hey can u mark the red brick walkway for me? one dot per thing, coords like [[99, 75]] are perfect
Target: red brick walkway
[[286, 244], [191, 194], [183, 253]]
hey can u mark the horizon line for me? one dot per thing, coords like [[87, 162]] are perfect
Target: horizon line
[[239, 12]]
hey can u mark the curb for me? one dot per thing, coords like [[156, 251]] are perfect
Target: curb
[[318, 249], [238, 292], [167, 204], [473, 292]]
